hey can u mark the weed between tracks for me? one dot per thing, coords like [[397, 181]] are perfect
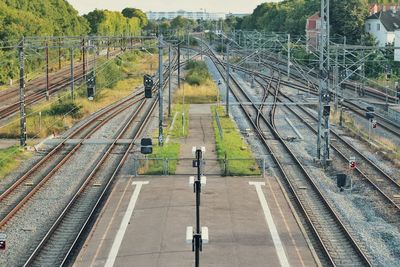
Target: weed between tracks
[[232, 146], [381, 144]]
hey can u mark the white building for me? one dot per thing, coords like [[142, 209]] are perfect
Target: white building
[[202, 15], [382, 26]]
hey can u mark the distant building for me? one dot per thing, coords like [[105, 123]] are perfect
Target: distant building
[[375, 8], [241, 15], [201, 15], [313, 30], [382, 25]]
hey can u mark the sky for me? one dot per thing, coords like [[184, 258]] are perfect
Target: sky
[[226, 6]]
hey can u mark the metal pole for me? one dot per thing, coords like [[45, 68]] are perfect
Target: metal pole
[[336, 77], [160, 91], [47, 71], [108, 47], [169, 81], [227, 79], [83, 59], [72, 74], [22, 94], [197, 235], [288, 63], [59, 53], [179, 65]]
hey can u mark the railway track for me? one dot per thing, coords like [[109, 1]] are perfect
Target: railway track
[[376, 177], [96, 183], [57, 246], [386, 124], [36, 89], [336, 243], [16, 196]]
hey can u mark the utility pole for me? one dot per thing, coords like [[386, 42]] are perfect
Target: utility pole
[[288, 63], [324, 96], [169, 81], [47, 71], [83, 59], [227, 78], [59, 53], [108, 47], [179, 65], [72, 74], [160, 91], [336, 77], [22, 94]]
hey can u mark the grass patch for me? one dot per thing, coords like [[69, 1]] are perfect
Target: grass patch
[[198, 94], [10, 159], [232, 146], [155, 162], [177, 131]]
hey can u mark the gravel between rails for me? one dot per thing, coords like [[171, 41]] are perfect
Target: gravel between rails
[[360, 210], [31, 223]]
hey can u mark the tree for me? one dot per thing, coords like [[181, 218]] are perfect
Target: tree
[[347, 18], [136, 13]]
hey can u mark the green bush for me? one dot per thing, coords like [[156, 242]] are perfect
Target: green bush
[[61, 108], [197, 73]]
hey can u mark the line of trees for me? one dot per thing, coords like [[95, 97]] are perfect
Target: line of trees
[[55, 18], [346, 17]]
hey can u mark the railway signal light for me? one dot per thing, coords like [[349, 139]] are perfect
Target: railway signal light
[[146, 146], [148, 85], [327, 111], [91, 85], [341, 180]]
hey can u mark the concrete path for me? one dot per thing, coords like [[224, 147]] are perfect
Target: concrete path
[[144, 220]]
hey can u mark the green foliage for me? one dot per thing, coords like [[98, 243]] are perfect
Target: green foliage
[[197, 73], [34, 18], [136, 13], [62, 108], [347, 18], [104, 22], [109, 75], [10, 158], [181, 23], [233, 146]]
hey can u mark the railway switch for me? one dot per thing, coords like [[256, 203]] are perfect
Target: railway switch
[[148, 85]]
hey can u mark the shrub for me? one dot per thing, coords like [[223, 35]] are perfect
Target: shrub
[[197, 73], [61, 108]]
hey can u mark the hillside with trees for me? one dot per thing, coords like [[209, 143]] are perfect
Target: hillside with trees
[[55, 18]]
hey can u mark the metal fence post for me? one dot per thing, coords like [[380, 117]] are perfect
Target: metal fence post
[[263, 168]]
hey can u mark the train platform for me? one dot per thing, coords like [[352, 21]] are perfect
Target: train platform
[[143, 223]]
